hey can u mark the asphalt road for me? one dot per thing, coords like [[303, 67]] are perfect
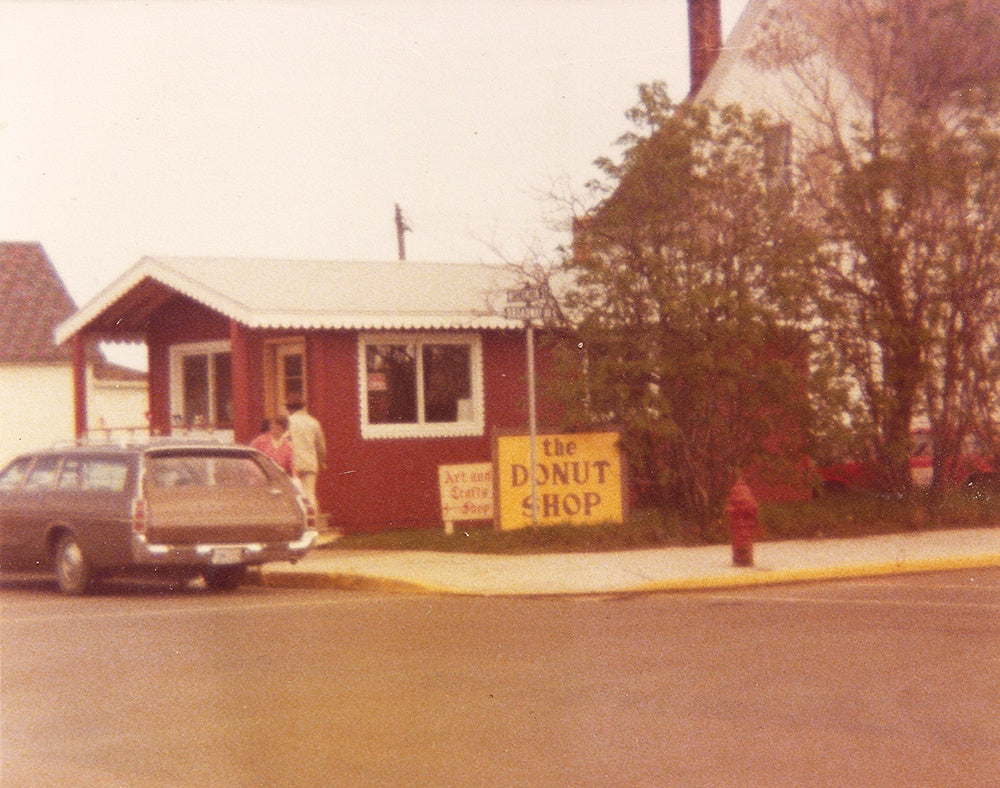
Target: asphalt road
[[893, 681]]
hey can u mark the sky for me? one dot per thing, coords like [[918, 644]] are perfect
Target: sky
[[289, 129]]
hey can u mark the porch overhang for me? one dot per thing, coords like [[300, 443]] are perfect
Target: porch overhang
[[301, 295]]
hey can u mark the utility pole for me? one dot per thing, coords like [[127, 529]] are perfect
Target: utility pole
[[401, 229]]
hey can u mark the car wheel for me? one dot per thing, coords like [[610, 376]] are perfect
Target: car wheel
[[73, 573], [224, 578]]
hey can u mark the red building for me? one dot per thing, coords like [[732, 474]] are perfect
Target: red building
[[408, 366]]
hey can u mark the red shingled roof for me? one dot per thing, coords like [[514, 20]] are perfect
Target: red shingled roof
[[33, 300]]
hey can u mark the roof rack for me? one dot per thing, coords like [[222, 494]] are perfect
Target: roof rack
[[133, 438]]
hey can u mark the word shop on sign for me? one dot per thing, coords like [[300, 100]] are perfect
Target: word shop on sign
[[577, 480]]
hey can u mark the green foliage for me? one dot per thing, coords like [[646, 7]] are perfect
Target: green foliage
[[856, 513], [691, 285], [843, 515], [901, 175], [645, 528]]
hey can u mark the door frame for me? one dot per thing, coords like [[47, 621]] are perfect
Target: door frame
[[275, 381]]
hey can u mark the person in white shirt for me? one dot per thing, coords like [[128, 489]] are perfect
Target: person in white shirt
[[308, 447]]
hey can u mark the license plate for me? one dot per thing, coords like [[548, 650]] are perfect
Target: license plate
[[227, 555]]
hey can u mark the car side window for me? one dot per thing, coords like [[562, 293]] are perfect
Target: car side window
[[105, 475], [93, 474], [14, 474], [43, 475], [71, 476]]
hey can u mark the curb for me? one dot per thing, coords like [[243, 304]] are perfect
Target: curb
[[751, 576], [338, 581], [761, 577]]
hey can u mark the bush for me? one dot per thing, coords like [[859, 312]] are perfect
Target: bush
[[846, 514], [646, 528]]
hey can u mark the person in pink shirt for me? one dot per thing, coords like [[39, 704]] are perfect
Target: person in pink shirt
[[273, 441]]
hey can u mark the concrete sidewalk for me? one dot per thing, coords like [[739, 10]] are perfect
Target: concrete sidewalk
[[664, 569]]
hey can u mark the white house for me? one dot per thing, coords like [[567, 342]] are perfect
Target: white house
[[36, 375]]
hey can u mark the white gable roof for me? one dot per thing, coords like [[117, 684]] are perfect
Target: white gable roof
[[305, 295], [737, 79], [733, 54]]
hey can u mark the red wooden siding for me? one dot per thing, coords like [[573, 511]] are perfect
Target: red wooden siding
[[368, 485]]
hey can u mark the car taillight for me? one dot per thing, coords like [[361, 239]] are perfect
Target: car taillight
[[138, 515]]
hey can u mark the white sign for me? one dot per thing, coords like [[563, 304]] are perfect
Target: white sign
[[466, 492], [528, 312], [528, 294]]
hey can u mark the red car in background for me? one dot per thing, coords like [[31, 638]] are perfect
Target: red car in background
[[972, 467]]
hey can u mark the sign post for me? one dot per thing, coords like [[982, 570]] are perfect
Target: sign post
[[529, 303], [532, 423]]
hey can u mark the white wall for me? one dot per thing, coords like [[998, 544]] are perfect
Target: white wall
[[116, 404], [783, 92], [36, 406]]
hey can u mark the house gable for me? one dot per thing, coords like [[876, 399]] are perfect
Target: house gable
[[37, 374]]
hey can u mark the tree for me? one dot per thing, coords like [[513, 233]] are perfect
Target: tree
[[686, 301], [898, 164]]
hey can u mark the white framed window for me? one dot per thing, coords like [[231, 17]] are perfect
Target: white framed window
[[420, 385], [201, 386]]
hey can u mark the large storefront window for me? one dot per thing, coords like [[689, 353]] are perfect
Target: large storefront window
[[421, 386], [201, 386]]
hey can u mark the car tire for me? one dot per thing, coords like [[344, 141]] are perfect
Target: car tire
[[73, 573], [224, 578]]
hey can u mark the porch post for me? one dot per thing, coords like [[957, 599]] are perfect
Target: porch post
[[243, 430], [79, 385]]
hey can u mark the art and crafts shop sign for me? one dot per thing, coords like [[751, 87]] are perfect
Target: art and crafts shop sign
[[578, 479], [466, 492]]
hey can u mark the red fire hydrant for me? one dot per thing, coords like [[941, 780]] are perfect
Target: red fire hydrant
[[741, 511]]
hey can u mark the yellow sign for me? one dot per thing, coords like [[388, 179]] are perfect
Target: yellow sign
[[578, 479], [466, 492]]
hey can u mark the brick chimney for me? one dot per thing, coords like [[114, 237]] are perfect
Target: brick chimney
[[705, 39]]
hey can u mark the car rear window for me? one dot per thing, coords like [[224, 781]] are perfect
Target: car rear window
[[184, 470]]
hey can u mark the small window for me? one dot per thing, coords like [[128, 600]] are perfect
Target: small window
[[201, 388], [285, 373], [293, 376], [447, 383], [43, 475], [421, 386], [392, 384], [778, 151], [14, 474]]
